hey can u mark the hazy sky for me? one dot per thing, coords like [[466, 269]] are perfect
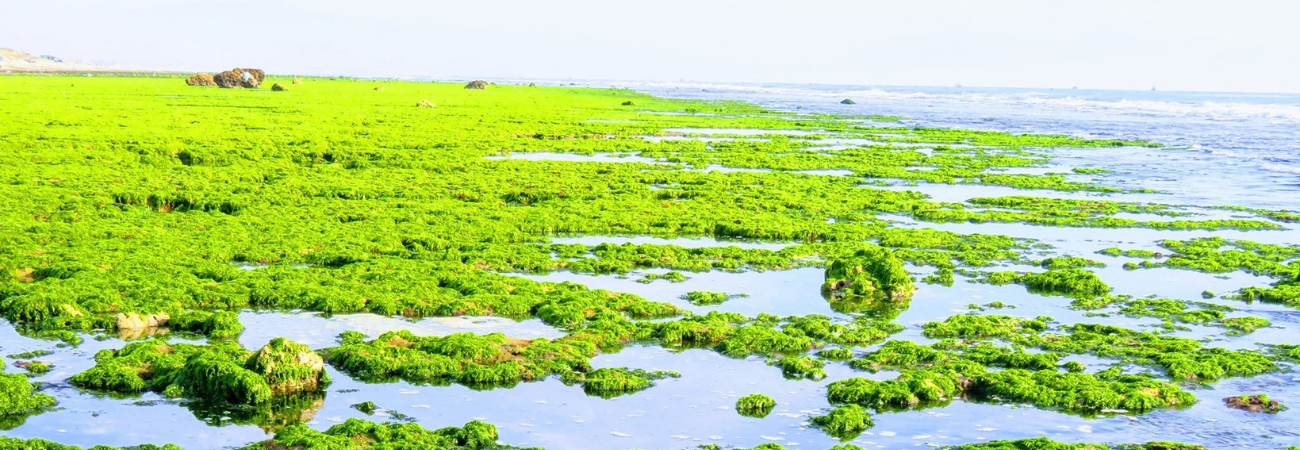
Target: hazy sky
[[1239, 45]]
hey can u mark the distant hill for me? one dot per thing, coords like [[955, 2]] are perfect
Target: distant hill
[[16, 61]]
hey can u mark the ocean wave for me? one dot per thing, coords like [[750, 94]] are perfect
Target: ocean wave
[[1283, 168], [1285, 113]]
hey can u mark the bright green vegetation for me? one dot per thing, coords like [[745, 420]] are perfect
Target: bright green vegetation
[[1048, 444], [845, 422], [701, 298], [872, 276], [609, 382], [1175, 312], [18, 399], [36, 367], [467, 358], [934, 375], [755, 405], [367, 407], [355, 434], [1076, 213], [1116, 251], [1219, 255], [218, 372], [31, 354], [153, 208], [1180, 358]]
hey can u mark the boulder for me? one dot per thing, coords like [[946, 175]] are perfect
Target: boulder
[[476, 84], [873, 274], [289, 367], [200, 79], [278, 87], [240, 78], [133, 321]]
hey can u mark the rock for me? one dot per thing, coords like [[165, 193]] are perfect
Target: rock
[[240, 78], [1254, 403], [200, 79], [476, 84], [847, 101], [278, 87], [133, 321], [873, 274], [425, 104], [289, 367], [297, 80], [627, 103]]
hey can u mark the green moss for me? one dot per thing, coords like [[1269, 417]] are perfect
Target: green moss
[[42, 444], [36, 367], [18, 396], [845, 422], [355, 434], [1048, 444], [701, 298], [755, 405], [1073, 282], [872, 275], [801, 367], [367, 407], [609, 382], [220, 372]]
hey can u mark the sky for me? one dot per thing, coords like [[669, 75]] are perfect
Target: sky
[[1241, 45]]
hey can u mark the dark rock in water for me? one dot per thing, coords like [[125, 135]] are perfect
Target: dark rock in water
[[847, 101], [200, 79], [278, 87], [240, 78], [476, 84], [1254, 403]]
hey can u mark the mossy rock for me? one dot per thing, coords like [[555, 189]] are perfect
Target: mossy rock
[[755, 405], [874, 275], [200, 79], [289, 367], [278, 87], [845, 422], [476, 84], [847, 101]]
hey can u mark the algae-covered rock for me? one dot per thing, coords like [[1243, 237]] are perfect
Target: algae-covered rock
[[847, 101], [845, 422], [278, 87], [17, 396], [755, 405], [476, 84], [1254, 403], [873, 274], [289, 367]]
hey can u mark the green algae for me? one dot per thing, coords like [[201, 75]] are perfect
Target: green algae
[[610, 382], [872, 276], [845, 422], [18, 398], [221, 372], [1048, 444], [755, 405], [355, 434], [800, 368], [703, 298]]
